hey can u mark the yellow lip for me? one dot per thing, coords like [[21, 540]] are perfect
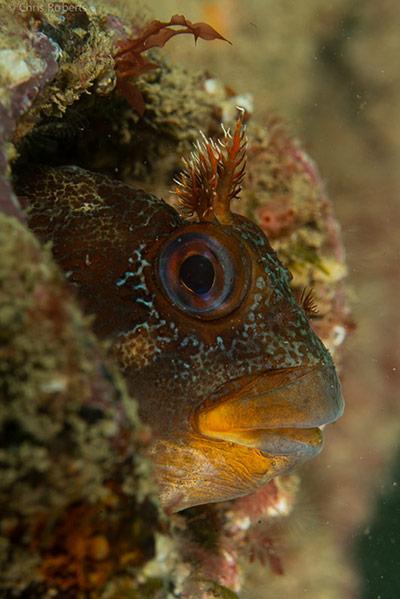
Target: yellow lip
[[278, 412]]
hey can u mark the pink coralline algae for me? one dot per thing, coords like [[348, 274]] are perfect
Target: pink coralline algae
[[278, 218]]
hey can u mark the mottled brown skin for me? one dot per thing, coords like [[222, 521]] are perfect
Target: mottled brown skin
[[234, 393]]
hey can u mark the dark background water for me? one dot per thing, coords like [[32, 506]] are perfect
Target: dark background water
[[378, 546]]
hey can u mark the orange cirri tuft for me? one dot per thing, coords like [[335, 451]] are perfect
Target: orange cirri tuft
[[213, 176], [129, 62]]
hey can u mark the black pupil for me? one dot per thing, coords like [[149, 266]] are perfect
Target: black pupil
[[197, 273]]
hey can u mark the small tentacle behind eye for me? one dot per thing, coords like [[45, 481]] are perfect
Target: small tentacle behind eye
[[307, 302]]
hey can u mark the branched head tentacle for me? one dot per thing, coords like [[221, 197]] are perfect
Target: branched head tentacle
[[213, 176]]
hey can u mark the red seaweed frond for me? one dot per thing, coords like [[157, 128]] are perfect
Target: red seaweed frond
[[308, 303], [129, 62], [213, 175]]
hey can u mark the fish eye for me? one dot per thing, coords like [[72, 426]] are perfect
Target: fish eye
[[203, 271]]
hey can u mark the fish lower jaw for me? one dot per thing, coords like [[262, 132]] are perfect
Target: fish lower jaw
[[282, 441]]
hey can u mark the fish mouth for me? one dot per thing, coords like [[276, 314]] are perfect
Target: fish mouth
[[278, 412]]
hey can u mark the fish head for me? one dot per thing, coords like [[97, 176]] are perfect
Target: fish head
[[222, 360]]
